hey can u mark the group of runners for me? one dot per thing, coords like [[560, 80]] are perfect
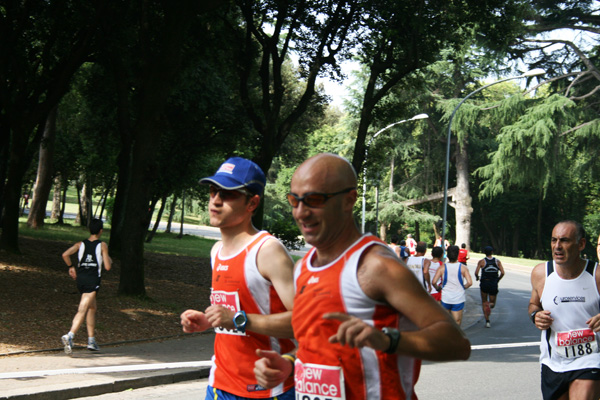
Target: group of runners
[[361, 320]]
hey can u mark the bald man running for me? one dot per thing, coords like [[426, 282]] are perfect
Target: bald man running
[[361, 319]]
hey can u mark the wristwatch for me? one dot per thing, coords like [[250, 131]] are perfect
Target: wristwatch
[[394, 335], [240, 320], [532, 316]]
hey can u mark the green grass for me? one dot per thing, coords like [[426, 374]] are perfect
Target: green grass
[[166, 243], [511, 260]]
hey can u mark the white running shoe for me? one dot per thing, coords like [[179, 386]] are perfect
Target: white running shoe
[[68, 343], [487, 324], [93, 346]]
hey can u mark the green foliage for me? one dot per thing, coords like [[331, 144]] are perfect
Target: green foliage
[[278, 213], [528, 149]]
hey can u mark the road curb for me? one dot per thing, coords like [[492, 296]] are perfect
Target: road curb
[[118, 385]]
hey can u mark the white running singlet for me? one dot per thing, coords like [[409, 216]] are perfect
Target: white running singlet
[[569, 344]]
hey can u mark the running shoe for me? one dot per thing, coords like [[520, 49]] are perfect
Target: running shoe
[[68, 343], [93, 346], [487, 324]]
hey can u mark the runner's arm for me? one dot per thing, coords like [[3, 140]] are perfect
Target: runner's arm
[[467, 275], [480, 265], [437, 277], [501, 268], [594, 322], [542, 319], [106, 260], [437, 337], [276, 265], [426, 265]]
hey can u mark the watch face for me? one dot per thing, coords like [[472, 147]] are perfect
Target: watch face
[[239, 319]]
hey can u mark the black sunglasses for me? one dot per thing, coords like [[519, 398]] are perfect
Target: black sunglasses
[[225, 194], [314, 199]]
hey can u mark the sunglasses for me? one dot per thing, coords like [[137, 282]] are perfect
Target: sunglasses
[[225, 194], [313, 199]]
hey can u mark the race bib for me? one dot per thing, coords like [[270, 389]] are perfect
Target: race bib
[[318, 382], [577, 343], [230, 300]]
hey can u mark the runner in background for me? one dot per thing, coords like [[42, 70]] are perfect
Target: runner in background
[[491, 273], [437, 253]]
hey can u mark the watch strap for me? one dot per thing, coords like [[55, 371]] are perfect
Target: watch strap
[[394, 335]]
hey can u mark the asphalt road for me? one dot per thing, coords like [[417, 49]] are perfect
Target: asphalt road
[[503, 363]]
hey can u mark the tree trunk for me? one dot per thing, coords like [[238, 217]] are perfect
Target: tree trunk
[[182, 216], [515, 242], [171, 214], [86, 202], [163, 203], [538, 228], [61, 215], [79, 216], [463, 207], [417, 231], [56, 199], [43, 182], [20, 157]]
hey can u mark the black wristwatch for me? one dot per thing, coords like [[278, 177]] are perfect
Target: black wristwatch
[[240, 320], [394, 335], [532, 316]]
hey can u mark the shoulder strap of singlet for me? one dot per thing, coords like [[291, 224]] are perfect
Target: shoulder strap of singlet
[[549, 268], [589, 267]]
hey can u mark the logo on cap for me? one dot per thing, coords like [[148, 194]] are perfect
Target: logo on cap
[[227, 168]]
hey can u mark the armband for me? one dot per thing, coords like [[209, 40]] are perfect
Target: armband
[[290, 358]]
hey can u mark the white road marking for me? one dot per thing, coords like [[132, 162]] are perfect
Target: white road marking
[[101, 370], [504, 345], [190, 364]]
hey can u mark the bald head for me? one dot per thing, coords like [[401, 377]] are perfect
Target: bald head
[[328, 171]]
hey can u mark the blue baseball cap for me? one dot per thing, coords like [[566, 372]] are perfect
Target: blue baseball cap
[[238, 173]]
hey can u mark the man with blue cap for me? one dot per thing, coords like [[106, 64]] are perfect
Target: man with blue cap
[[252, 287]]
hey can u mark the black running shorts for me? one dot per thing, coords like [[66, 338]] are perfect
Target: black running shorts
[[555, 384]]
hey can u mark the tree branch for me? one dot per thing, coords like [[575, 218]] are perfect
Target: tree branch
[[579, 127]]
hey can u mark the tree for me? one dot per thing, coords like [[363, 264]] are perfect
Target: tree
[[43, 43], [44, 179], [314, 31]]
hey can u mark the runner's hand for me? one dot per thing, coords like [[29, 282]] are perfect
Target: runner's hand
[[220, 316], [543, 320], [271, 369], [594, 323], [354, 332], [194, 321]]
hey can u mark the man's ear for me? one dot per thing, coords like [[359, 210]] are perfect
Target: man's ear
[[582, 243], [253, 203], [350, 199]]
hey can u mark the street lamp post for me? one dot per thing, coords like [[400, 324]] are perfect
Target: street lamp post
[[533, 72], [419, 116]]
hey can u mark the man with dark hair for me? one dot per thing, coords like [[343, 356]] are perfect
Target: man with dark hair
[[252, 287], [488, 286], [360, 317], [455, 279], [394, 245], [404, 253], [92, 255], [565, 306], [436, 261], [419, 265]]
